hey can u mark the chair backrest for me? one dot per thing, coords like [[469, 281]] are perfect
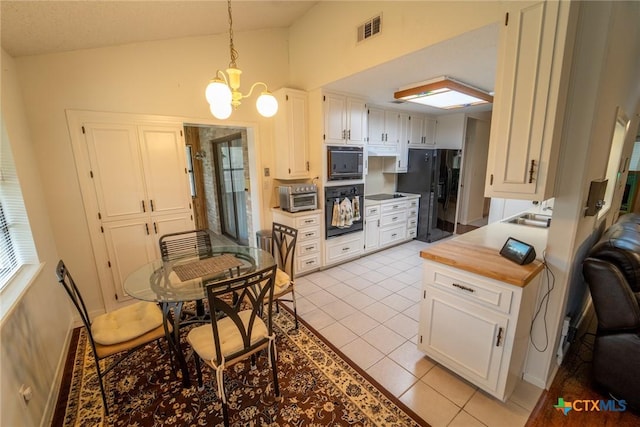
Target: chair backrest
[[65, 279], [185, 244], [284, 247], [248, 295]]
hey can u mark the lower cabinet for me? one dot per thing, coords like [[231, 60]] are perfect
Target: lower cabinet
[[390, 222], [308, 224], [475, 326]]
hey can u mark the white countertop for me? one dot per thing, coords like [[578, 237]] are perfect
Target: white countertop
[[408, 196]]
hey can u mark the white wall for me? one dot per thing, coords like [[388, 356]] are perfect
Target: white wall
[[34, 333]]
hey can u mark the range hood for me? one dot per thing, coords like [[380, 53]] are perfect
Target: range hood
[[381, 151]]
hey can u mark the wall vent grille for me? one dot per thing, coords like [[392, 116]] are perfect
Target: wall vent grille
[[370, 28]]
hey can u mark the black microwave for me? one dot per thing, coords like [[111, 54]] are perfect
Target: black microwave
[[344, 163]]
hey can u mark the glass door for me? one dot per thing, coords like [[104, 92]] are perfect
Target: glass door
[[230, 179]]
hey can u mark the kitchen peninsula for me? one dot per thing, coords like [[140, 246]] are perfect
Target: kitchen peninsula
[[478, 306]]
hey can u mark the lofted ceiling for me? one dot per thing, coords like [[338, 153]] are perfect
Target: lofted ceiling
[[42, 27]]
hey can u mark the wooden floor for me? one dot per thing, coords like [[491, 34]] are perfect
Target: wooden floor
[[574, 382]]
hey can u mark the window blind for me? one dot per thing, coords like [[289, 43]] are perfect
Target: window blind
[[16, 242]]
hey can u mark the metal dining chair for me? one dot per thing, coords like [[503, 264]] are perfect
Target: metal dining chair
[[124, 330], [184, 245], [284, 240], [240, 332]]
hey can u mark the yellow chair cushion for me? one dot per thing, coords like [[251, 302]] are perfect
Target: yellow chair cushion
[[201, 337], [282, 282], [126, 323]]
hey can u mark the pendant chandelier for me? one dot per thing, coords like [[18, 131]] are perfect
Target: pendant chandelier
[[223, 92]]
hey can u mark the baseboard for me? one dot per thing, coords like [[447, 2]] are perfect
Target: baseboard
[[52, 400], [538, 382]]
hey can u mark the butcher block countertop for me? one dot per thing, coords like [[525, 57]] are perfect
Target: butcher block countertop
[[483, 261]]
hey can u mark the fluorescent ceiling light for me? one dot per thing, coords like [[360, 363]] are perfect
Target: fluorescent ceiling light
[[444, 92]]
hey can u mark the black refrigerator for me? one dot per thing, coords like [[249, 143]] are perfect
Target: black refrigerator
[[434, 174]]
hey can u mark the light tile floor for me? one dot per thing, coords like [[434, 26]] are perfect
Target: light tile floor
[[369, 309]]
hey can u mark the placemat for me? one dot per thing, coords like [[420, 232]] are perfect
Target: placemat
[[205, 267]]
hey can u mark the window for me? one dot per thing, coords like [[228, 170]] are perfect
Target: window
[[16, 242], [615, 166]]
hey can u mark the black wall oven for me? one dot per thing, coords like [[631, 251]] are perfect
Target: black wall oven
[[337, 220]]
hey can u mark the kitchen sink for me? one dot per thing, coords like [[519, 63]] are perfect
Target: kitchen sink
[[532, 220]]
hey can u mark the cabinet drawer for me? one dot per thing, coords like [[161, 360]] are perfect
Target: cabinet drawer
[[307, 263], [392, 207], [412, 213], [392, 235], [412, 223], [308, 234], [393, 218], [412, 233], [372, 212], [470, 287], [344, 248], [304, 249], [307, 221], [413, 204]]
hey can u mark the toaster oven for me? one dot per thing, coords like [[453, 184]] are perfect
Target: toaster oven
[[298, 197]]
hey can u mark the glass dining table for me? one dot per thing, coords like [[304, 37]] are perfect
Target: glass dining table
[[173, 283]]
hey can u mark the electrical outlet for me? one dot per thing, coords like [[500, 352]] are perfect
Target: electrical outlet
[[267, 172]]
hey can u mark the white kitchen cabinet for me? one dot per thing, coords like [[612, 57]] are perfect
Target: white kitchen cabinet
[[400, 162], [139, 178], [450, 131], [291, 135], [308, 244], [383, 127], [345, 119], [342, 248], [422, 132], [390, 222], [371, 228], [476, 326], [527, 110]]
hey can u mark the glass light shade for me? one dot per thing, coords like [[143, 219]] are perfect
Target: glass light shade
[[445, 99], [267, 104], [218, 92], [221, 111]]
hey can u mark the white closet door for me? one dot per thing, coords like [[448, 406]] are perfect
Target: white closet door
[[163, 157], [117, 172], [130, 246]]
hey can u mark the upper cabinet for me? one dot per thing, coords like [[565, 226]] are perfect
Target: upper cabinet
[[422, 132], [383, 127], [345, 119], [399, 163], [450, 131], [528, 107], [291, 135]]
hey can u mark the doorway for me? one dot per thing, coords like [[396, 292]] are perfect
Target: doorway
[[229, 169]]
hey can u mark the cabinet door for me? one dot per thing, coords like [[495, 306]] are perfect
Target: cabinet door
[[464, 337], [371, 233], [165, 167], [376, 126], [429, 132], [129, 246], [116, 168], [416, 131], [391, 127], [292, 143], [357, 121], [522, 156], [335, 124], [172, 223]]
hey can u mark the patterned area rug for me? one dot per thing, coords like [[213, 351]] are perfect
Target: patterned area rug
[[318, 386]]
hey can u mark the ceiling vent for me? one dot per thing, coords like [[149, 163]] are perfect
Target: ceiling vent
[[370, 28]]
